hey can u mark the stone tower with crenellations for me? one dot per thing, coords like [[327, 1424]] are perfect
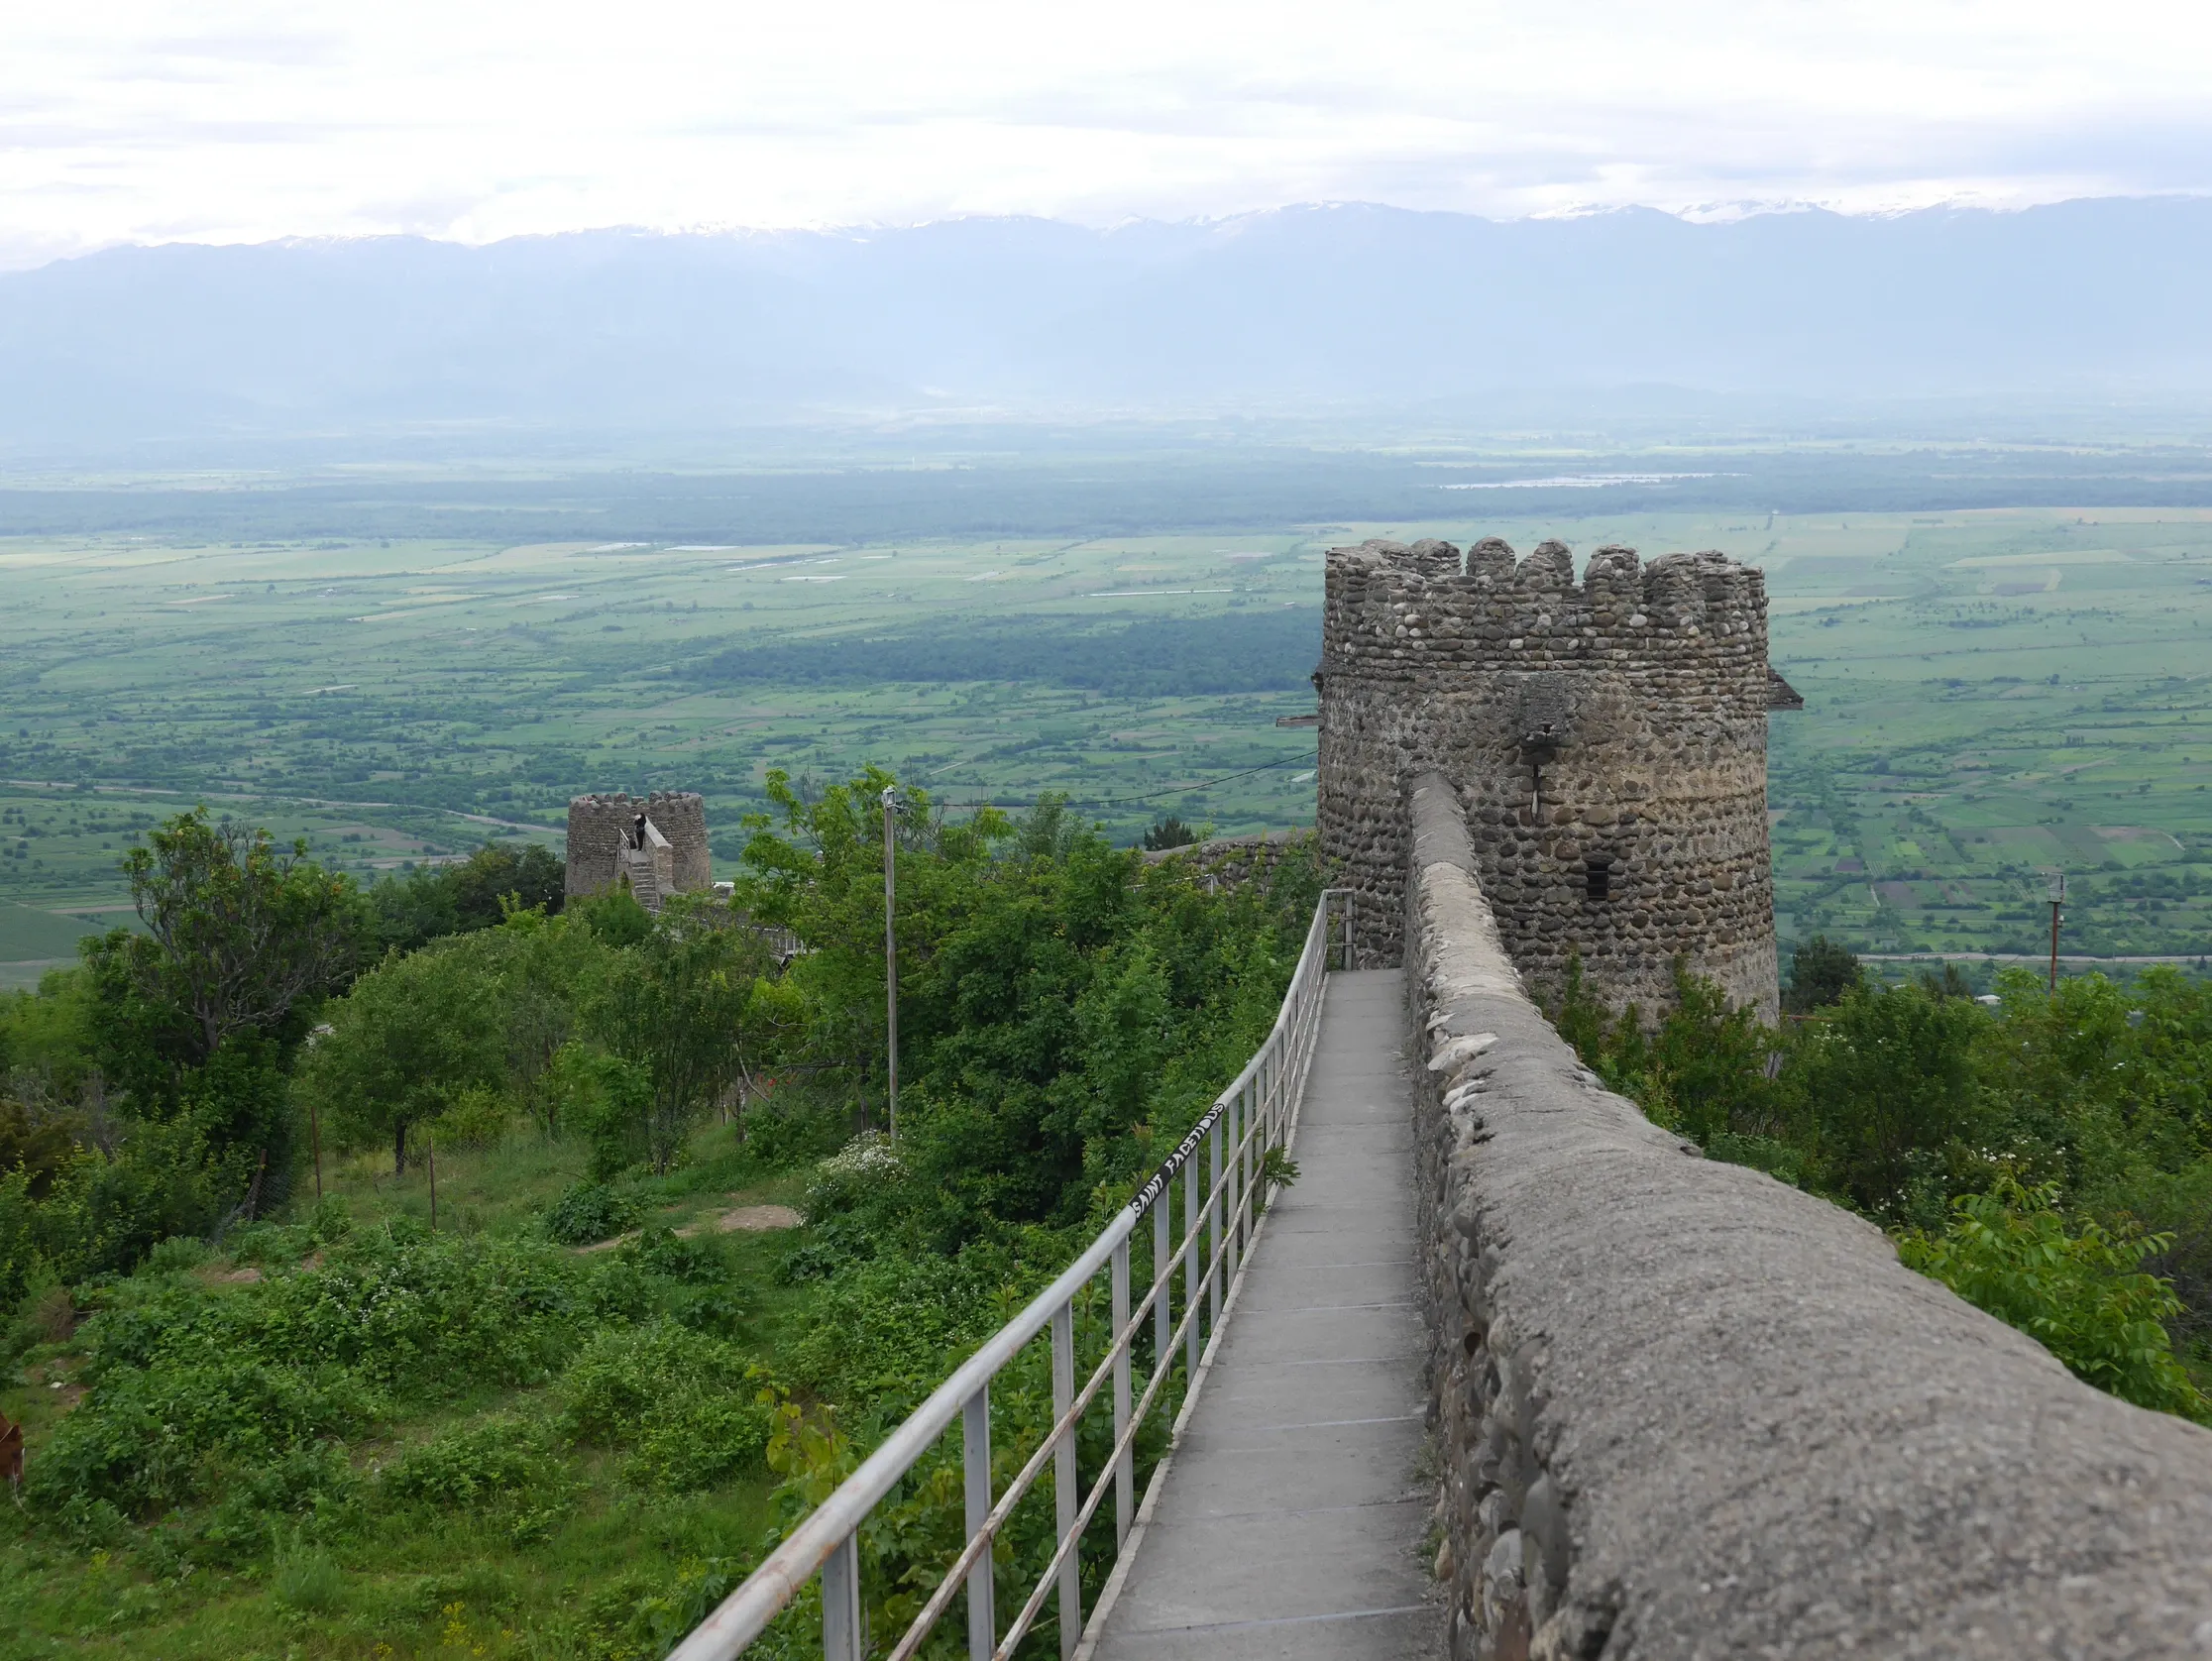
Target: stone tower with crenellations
[[1608, 740], [657, 841]]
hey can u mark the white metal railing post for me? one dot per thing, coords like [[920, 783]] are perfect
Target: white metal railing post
[[1064, 1496], [1193, 1298], [1164, 1281], [975, 1461], [1256, 1130], [1254, 1115], [1213, 1227], [1280, 1110], [1229, 1195], [1124, 1466], [840, 1602]]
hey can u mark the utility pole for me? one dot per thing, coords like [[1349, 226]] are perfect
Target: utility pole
[[2058, 899], [891, 959]]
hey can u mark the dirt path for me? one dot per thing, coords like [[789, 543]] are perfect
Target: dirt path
[[743, 1219]]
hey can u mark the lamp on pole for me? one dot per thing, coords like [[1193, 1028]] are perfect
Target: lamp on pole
[[891, 960], [2058, 899]]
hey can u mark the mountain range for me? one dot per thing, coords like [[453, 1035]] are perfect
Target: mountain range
[[1345, 307]]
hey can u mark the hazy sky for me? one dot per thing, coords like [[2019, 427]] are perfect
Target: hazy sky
[[154, 120]]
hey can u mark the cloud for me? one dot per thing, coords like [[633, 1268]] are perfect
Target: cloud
[[237, 120]]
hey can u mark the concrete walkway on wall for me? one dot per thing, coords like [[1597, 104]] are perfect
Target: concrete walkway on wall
[[1292, 1519]]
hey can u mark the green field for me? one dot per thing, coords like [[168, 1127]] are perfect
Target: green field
[[1989, 694]]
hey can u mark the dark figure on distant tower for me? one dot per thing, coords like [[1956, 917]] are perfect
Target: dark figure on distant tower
[[657, 843]]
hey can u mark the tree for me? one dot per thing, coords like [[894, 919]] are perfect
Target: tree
[[240, 937], [439, 899], [821, 878], [411, 1035], [1169, 833], [540, 971], [1710, 1062], [1890, 1076], [500, 876], [2080, 1292], [39, 1148], [1821, 973], [674, 1006]]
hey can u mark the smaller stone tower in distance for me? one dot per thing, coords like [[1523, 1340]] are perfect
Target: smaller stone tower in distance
[[1607, 740], [657, 841]]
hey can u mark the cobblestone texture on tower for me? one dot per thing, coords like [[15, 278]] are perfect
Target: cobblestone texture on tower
[[1607, 741], [597, 825]]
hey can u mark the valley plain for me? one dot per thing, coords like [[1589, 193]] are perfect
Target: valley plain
[[1990, 695]]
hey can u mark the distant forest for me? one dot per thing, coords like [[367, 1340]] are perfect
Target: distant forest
[[1255, 651]]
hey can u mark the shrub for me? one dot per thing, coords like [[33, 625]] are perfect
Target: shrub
[[888, 1329], [1821, 973], [692, 1442], [424, 1314], [590, 1212], [2081, 1294], [865, 1169], [478, 1467], [147, 1438], [662, 1251], [1891, 1075], [414, 1314], [605, 1098], [309, 1483], [621, 1376], [479, 1118], [305, 1578], [177, 1253]]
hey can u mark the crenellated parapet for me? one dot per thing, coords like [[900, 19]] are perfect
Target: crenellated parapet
[[1608, 738]]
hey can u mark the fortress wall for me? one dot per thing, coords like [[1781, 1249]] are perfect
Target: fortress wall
[[1619, 721], [1684, 1410], [1233, 861], [597, 823]]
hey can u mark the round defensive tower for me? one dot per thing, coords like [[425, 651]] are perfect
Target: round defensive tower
[[596, 825], [1608, 740]]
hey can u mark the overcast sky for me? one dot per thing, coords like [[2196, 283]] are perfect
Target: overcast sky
[[226, 120]]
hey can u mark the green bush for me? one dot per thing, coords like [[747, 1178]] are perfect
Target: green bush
[[308, 1485], [305, 1578], [865, 1169], [623, 1375], [423, 1314], [2081, 1293], [148, 1438], [414, 1314], [662, 1251], [692, 1442], [887, 1329], [477, 1466], [590, 1212]]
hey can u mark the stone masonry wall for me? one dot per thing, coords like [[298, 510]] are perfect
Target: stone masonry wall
[[1682, 1411], [1233, 861], [597, 823], [1615, 726]]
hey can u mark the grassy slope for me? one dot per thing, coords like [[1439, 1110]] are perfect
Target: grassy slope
[[463, 1586]]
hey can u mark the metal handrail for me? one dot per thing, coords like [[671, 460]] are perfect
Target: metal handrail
[[1257, 1111]]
